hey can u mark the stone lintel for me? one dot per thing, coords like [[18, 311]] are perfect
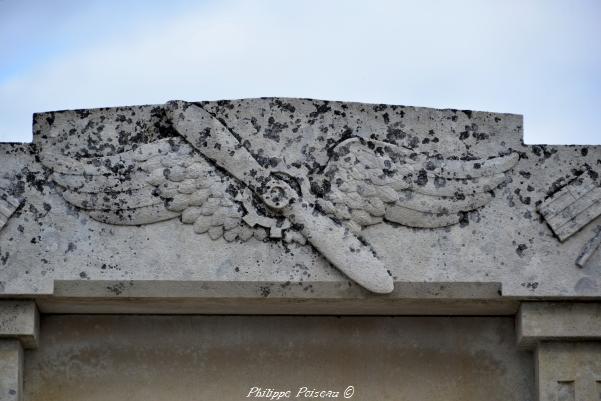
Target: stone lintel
[[558, 321], [11, 370], [323, 298], [19, 320]]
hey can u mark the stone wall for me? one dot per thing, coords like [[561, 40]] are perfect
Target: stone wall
[[278, 206], [186, 358]]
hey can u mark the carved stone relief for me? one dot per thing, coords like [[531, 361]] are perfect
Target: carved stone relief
[[572, 208], [589, 249], [206, 176]]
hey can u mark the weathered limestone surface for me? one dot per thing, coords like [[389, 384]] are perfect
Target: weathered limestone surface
[[57, 252], [222, 357], [11, 370]]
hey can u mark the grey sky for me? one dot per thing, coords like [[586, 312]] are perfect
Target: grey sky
[[540, 58]]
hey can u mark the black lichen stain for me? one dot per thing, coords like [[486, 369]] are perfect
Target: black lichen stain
[[520, 250], [274, 129], [320, 109], [265, 291], [70, 247], [284, 105], [526, 200], [464, 219], [533, 285], [543, 151], [119, 288], [422, 178]]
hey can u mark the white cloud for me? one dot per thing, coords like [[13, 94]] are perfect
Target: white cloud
[[537, 58]]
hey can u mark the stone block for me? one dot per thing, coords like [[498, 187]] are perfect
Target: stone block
[[19, 320], [540, 321]]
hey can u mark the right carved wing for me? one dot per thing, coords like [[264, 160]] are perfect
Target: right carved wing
[[155, 182], [366, 182]]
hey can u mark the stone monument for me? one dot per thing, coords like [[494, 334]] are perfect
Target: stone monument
[[145, 248]]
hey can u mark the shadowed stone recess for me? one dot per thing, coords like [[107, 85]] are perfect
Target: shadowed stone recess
[[222, 357]]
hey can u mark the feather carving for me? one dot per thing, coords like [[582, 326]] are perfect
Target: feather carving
[[371, 181]]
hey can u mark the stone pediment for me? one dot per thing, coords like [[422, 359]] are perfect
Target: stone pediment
[[292, 199]]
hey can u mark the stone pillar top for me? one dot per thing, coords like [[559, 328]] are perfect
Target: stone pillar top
[[558, 321], [19, 320]]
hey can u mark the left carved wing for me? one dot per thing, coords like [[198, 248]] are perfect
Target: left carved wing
[[155, 182], [366, 182]]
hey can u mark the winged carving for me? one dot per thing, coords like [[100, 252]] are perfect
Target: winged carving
[[372, 181], [208, 179], [155, 182]]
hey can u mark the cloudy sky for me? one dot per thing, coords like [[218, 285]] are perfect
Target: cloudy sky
[[539, 58]]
